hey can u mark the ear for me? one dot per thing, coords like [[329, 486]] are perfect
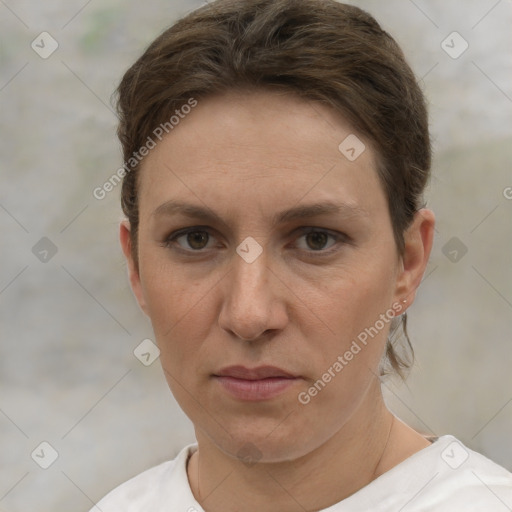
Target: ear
[[133, 271], [418, 239]]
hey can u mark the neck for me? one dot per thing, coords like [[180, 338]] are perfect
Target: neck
[[349, 460]]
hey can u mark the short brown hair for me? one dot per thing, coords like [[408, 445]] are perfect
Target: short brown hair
[[320, 50]]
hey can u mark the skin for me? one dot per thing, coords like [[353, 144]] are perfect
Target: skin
[[247, 156]]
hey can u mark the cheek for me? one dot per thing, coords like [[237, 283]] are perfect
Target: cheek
[[177, 305], [347, 361], [181, 317], [359, 296], [357, 309]]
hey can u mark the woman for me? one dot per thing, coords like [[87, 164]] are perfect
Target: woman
[[276, 152]]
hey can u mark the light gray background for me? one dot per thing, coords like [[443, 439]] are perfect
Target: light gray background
[[69, 326]]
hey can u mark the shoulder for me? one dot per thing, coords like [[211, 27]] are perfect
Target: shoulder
[[450, 476], [153, 489], [134, 494], [463, 477], [446, 476]]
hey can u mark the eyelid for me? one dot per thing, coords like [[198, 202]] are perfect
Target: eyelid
[[170, 239], [339, 237], [303, 230]]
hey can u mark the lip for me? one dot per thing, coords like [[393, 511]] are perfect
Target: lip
[[255, 384], [261, 372]]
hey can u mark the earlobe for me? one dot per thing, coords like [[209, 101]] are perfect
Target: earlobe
[[418, 239], [133, 270]]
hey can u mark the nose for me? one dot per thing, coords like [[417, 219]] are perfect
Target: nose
[[254, 299]]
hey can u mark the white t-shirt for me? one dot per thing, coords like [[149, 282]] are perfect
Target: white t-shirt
[[443, 477]]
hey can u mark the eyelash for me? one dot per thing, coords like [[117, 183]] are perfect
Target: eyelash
[[338, 237]]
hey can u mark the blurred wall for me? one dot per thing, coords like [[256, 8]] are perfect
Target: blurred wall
[[69, 324]]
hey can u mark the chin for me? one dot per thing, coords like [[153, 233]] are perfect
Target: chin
[[268, 441]]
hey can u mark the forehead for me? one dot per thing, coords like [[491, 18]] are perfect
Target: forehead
[[263, 148]]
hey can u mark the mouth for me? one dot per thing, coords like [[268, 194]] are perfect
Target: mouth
[[256, 384]]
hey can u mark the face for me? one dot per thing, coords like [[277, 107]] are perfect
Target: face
[[261, 244]]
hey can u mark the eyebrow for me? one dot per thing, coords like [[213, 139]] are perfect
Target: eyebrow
[[173, 207]]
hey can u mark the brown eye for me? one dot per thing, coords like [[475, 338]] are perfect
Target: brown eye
[[317, 240], [198, 239], [190, 240]]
